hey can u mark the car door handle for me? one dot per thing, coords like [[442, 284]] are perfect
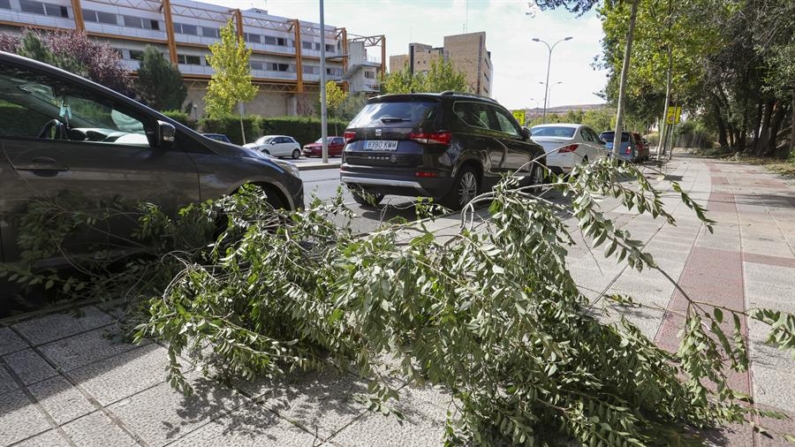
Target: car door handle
[[42, 164]]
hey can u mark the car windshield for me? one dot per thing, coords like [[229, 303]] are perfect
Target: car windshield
[[610, 136], [402, 112], [264, 140], [553, 131]]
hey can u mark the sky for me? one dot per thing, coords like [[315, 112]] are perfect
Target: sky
[[520, 65]]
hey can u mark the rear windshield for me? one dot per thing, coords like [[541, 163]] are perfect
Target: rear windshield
[[414, 113], [553, 131], [610, 136]]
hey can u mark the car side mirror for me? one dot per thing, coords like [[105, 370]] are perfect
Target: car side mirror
[[526, 133], [166, 135], [273, 142]]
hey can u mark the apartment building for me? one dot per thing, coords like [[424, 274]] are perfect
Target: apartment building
[[466, 52], [285, 60]]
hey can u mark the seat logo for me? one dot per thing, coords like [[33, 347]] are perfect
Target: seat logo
[[378, 132]]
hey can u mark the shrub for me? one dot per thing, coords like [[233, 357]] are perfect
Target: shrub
[[230, 126], [182, 118]]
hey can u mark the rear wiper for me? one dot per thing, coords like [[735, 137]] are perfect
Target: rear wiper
[[393, 119]]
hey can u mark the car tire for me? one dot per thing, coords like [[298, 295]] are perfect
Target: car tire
[[466, 187], [296, 154], [267, 152], [365, 198], [537, 177]]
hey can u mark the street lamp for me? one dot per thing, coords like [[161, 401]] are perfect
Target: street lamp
[[549, 65], [323, 111], [550, 91]]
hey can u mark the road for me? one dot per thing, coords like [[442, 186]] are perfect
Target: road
[[324, 184]]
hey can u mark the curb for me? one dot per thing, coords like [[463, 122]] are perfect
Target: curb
[[317, 166]]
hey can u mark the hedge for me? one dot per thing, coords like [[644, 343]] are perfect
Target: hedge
[[304, 129], [180, 117]]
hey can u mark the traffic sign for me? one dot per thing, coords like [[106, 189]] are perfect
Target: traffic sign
[[674, 113], [520, 116]]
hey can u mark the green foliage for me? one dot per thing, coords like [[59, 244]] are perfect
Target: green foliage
[[693, 134], [599, 120], [32, 46], [182, 118], [304, 129], [159, 83], [441, 77], [231, 79], [335, 97], [491, 314]]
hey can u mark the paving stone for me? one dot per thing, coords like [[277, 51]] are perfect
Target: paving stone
[[162, 414], [61, 400], [96, 429], [19, 418], [10, 341], [124, 375], [88, 347], [47, 439], [29, 366], [423, 426], [250, 426], [321, 402], [7, 383], [52, 327]]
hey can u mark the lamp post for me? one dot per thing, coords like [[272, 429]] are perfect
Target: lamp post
[[323, 111], [549, 65], [550, 91]]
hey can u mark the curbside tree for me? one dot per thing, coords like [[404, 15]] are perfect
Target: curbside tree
[[159, 82]]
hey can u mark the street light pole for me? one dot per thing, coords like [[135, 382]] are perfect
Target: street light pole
[[549, 65], [323, 111], [550, 91]]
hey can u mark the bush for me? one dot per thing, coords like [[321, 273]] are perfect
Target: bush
[[304, 129], [181, 117], [230, 126], [653, 138]]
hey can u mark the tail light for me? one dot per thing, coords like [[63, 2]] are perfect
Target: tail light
[[432, 137], [425, 174], [348, 136], [629, 149], [569, 148]]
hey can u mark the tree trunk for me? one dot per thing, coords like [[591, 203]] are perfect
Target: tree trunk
[[758, 121], [764, 132], [775, 127], [792, 122], [623, 84]]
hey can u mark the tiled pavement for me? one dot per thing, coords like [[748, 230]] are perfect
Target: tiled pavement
[[67, 381]]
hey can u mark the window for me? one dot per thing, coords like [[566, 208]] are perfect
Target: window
[[153, 24], [586, 135], [256, 38], [369, 75], [331, 49], [334, 71], [279, 67], [56, 10], [211, 32], [138, 22], [136, 55], [32, 7], [281, 41], [189, 59], [76, 108], [269, 40], [184, 28], [505, 123], [99, 17], [306, 45], [308, 69], [5, 4], [472, 113], [256, 65]]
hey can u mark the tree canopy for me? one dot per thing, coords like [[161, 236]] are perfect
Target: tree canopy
[[159, 82], [441, 77], [231, 81]]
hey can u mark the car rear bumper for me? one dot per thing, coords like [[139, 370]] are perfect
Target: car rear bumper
[[397, 181]]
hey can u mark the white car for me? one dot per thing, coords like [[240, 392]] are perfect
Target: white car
[[277, 146], [567, 145]]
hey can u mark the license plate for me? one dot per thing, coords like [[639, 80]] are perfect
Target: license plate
[[380, 145]]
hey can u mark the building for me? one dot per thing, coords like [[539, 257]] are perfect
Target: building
[[285, 60], [466, 52]]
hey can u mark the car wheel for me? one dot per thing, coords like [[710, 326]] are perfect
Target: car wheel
[[267, 152], [365, 198], [466, 187], [296, 154], [537, 177]]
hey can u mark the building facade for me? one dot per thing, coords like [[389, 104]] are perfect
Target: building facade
[[466, 52], [285, 60]]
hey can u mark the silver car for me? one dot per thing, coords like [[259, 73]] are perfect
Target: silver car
[[277, 146]]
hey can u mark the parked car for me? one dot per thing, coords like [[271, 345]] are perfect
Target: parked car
[[568, 145], [335, 147], [277, 146], [70, 135], [627, 151], [642, 147], [448, 146], [218, 137]]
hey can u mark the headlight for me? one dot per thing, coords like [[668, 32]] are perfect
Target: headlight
[[287, 166]]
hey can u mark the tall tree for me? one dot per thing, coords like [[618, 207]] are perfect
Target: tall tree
[[441, 77], [159, 82], [402, 81], [230, 83]]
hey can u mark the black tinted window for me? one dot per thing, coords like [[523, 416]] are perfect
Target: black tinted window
[[610, 136], [399, 112], [474, 114]]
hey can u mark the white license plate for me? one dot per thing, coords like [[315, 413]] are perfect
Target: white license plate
[[380, 145]]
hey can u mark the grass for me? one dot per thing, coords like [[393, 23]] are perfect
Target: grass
[[784, 167]]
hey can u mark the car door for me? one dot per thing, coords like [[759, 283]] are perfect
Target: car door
[[280, 147], [590, 144], [91, 147], [516, 154]]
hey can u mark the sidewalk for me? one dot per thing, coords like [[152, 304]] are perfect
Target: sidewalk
[[66, 381], [311, 164]]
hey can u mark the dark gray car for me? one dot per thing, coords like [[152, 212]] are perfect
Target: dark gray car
[[60, 132]]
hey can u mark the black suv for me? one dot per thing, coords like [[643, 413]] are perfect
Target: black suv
[[448, 146]]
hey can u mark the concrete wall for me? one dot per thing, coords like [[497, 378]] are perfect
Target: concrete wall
[[467, 53], [267, 103]]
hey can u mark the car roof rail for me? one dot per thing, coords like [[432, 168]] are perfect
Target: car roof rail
[[469, 95]]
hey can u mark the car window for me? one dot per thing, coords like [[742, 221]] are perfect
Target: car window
[[44, 103], [281, 140], [589, 131], [553, 131], [474, 114], [400, 111], [337, 141], [505, 123], [586, 135]]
